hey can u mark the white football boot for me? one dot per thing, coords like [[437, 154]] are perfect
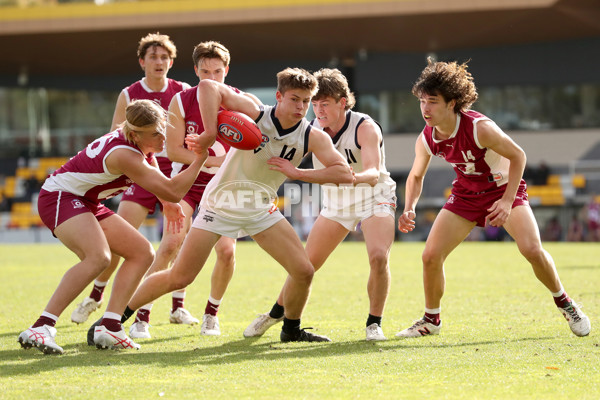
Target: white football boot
[[210, 325], [420, 328], [578, 322], [375, 333], [140, 330], [105, 339], [182, 316], [41, 337], [83, 310], [260, 325]]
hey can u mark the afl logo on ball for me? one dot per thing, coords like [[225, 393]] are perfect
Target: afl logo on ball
[[230, 134]]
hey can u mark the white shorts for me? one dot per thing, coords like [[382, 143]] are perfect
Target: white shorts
[[350, 220], [234, 228]]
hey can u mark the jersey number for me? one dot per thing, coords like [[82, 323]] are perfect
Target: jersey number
[[349, 156], [95, 148], [289, 155]]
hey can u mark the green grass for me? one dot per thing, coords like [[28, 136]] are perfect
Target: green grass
[[502, 336]]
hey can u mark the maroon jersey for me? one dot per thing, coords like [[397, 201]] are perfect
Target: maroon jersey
[[86, 175], [478, 169], [190, 111], [140, 91]]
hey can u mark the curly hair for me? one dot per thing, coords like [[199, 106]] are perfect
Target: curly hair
[[156, 39], [332, 83], [450, 80]]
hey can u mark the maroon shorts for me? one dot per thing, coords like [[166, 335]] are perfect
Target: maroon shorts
[[194, 195], [141, 196], [474, 206], [57, 207]]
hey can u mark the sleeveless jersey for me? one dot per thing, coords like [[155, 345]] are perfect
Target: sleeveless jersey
[[244, 185], [478, 169], [140, 91], [346, 143], [190, 111], [86, 174]]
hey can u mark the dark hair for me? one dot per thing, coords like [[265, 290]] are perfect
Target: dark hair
[[450, 80], [211, 49]]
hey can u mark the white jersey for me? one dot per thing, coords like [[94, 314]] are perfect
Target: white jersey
[[354, 199], [245, 187]]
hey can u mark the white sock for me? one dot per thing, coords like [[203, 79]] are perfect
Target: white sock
[[100, 284], [559, 293], [112, 315], [51, 316], [214, 301], [147, 306], [178, 295], [433, 310]]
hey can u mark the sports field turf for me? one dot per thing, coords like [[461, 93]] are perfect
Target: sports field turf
[[502, 336]]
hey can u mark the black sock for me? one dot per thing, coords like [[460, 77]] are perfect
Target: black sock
[[373, 320], [127, 314], [276, 311], [291, 325]]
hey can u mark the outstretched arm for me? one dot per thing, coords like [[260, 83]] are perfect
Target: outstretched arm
[[124, 161], [336, 168]]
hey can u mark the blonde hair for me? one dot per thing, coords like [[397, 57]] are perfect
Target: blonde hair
[[143, 116]]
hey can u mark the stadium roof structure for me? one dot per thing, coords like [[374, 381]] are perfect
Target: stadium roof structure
[[95, 38]]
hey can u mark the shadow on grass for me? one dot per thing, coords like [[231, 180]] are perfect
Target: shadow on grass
[[231, 352], [582, 267]]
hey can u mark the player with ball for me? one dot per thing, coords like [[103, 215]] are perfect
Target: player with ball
[[240, 195]]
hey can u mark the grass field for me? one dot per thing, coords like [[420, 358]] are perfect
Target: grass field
[[502, 336]]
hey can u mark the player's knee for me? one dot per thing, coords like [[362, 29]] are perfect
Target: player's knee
[[378, 259], [179, 281], [304, 274], [226, 255], [169, 247], [532, 251], [143, 254], [431, 259], [100, 259]]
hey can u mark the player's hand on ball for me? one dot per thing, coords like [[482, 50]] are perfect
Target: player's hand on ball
[[199, 144]]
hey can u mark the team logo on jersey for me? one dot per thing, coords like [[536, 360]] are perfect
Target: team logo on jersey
[[265, 140], [76, 203], [191, 127], [157, 101], [440, 154], [130, 190]]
